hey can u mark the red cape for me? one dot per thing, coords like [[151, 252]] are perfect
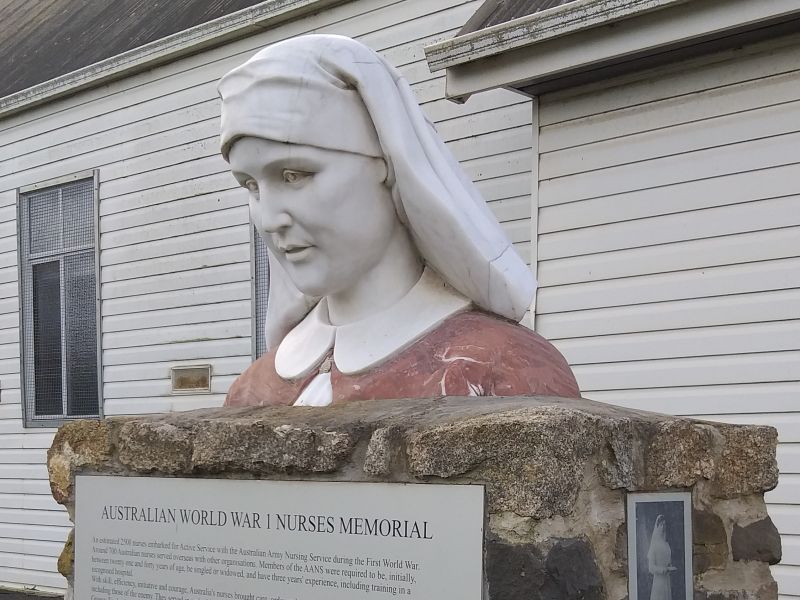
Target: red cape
[[469, 354]]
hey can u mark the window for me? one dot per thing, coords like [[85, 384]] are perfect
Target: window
[[59, 300], [260, 278]]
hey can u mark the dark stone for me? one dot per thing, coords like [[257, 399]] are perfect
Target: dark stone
[[710, 542], [514, 572], [518, 572], [758, 541], [572, 573]]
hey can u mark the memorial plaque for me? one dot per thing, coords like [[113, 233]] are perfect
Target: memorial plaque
[[196, 539]]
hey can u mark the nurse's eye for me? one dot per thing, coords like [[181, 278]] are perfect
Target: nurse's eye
[[293, 177], [251, 186]]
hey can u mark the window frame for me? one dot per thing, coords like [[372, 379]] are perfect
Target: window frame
[[30, 420]]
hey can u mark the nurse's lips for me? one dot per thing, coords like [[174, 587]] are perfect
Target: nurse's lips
[[294, 252]]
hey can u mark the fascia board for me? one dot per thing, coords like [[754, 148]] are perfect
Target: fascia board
[[586, 48], [537, 28]]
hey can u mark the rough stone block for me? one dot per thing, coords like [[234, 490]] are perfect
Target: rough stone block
[[520, 572], [710, 542], [767, 592], [514, 572], [678, 455], [531, 460], [257, 446], [77, 444], [66, 560], [758, 541], [383, 451], [747, 464], [155, 447], [555, 472], [572, 572]]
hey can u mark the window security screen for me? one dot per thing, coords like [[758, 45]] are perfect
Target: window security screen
[[260, 293], [58, 289]]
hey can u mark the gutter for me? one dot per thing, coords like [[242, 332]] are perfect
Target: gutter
[[206, 35]]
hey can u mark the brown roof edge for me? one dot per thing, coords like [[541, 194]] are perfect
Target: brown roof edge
[[494, 12]]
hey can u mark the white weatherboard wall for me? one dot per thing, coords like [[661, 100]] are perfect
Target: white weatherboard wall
[[669, 247], [174, 230]]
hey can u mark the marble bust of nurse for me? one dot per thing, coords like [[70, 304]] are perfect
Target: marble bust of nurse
[[389, 275]]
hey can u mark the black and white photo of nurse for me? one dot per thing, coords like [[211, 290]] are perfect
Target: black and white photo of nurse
[[659, 562], [659, 546]]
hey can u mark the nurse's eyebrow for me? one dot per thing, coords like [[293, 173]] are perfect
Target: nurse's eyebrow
[[260, 168]]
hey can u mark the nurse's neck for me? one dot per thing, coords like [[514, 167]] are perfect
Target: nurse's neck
[[384, 285]]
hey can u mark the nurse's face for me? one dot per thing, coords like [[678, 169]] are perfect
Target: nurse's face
[[326, 215]]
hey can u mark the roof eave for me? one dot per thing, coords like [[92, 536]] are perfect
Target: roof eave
[[539, 27], [557, 43]]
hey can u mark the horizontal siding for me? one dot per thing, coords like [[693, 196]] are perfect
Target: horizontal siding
[[739, 111], [37, 548], [710, 401], [710, 228], [48, 577], [666, 257], [741, 187], [159, 404], [204, 313], [174, 233], [137, 372], [701, 282], [118, 309], [731, 309], [712, 74], [791, 550], [670, 170], [669, 247], [706, 370], [788, 580], [728, 340]]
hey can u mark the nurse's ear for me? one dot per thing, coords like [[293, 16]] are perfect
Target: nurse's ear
[[391, 183], [388, 179]]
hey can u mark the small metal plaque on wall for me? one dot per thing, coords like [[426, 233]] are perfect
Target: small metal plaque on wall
[[660, 546], [191, 379]]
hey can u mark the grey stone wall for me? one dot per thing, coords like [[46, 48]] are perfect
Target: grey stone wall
[[556, 474]]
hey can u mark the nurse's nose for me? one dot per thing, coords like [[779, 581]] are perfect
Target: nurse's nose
[[268, 215]]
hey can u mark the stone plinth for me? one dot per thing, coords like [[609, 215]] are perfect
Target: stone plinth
[[556, 474]]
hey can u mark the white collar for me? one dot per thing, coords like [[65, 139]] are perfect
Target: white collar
[[363, 344]]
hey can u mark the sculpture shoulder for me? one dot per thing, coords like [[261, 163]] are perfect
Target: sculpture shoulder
[[522, 361], [488, 336], [470, 354], [494, 331], [259, 385]]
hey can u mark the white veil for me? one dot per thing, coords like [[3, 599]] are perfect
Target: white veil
[[332, 84]]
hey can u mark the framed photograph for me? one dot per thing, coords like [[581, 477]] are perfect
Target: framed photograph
[[660, 546]]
